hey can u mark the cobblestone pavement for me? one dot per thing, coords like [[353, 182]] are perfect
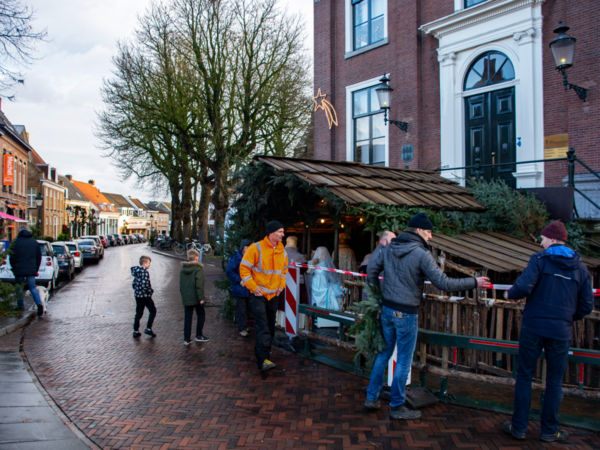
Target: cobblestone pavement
[[156, 393]]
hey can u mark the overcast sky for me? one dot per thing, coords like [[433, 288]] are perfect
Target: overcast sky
[[61, 95]]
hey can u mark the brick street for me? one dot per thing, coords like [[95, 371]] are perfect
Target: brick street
[[156, 393]]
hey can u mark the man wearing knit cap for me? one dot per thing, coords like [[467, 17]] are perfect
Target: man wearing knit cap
[[406, 263], [558, 288], [263, 270]]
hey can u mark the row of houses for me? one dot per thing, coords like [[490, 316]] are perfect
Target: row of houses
[[34, 193]]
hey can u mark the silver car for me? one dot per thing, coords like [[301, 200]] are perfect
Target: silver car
[[76, 252]]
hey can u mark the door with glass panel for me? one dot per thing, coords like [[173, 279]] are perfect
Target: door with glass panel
[[490, 120]]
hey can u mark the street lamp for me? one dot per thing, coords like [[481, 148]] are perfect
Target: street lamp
[[384, 92], [39, 201], [563, 50], [151, 217]]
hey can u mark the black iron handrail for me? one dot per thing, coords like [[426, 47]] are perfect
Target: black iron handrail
[[571, 159]]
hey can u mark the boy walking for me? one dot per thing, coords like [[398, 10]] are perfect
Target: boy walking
[[191, 286], [142, 290]]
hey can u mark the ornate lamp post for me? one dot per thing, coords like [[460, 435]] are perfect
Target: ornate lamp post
[[39, 201]]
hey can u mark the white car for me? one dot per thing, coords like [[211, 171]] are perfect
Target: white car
[[47, 272], [76, 252]]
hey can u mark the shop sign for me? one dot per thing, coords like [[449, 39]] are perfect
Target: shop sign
[[8, 177]]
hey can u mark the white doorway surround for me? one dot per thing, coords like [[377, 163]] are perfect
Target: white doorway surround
[[512, 27]]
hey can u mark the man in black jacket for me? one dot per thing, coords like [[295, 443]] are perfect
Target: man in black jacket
[[25, 258], [558, 288], [406, 263]]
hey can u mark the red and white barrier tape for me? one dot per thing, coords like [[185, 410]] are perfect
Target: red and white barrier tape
[[498, 287]]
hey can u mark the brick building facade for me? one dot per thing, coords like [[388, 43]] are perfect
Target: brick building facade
[[475, 81]]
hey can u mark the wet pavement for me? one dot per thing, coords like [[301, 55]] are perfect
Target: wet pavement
[[156, 393]]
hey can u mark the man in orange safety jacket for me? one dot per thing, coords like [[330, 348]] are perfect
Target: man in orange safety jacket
[[263, 270]]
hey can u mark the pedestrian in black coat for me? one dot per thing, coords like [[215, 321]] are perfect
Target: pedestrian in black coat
[[25, 258]]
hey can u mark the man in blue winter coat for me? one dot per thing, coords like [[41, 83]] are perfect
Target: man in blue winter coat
[[239, 292], [25, 259], [558, 288]]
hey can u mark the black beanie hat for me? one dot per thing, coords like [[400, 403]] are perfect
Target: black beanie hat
[[245, 243], [273, 226], [420, 220]]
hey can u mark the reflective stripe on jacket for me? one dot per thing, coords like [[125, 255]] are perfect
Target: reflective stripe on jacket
[[265, 267]]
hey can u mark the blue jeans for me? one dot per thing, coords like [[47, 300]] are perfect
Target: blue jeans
[[557, 351], [29, 282], [400, 331]]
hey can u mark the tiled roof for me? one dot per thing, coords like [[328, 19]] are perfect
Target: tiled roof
[[117, 199], [158, 206], [73, 192], [138, 203], [94, 195], [9, 128], [357, 183]]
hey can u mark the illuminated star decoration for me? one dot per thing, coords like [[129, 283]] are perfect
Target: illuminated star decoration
[[326, 106]]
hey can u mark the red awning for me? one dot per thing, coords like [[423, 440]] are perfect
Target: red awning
[[9, 217]]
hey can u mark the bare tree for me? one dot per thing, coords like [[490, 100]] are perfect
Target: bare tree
[[17, 41], [248, 56]]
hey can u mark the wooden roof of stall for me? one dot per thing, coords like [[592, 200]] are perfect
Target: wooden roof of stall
[[357, 183], [494, 251]]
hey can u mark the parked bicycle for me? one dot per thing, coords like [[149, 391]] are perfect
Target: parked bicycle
[[181, 249]]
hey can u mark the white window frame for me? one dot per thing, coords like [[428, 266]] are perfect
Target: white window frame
[[350, 119], [349, 31]]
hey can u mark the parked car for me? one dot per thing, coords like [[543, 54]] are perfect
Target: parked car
[[125, 239], [103, 240], [66, 262], [90, 249], [134, 238], [99, 244], [76, 252], [117, 238], [47, 272], [141, 237], [111, 240]]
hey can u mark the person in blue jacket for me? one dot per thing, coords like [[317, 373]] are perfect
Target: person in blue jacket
[[558, 288], [239, 292]]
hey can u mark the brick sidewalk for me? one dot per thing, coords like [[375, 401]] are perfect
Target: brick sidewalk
[[156, 393]]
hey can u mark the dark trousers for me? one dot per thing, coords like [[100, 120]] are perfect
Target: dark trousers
[[264, 312], [241, 313], [557, 353], [187, 320], [140, 304]]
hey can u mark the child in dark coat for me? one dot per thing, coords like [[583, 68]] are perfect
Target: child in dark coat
[[191, 286], [142, 290]]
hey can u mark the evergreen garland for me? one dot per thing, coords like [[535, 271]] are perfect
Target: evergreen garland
[[367, 331]]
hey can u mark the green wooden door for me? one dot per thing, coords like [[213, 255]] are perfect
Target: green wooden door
[[490, 135]]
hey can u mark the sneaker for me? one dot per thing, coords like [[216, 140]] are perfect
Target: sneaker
[[267, 365], [136, 334], [402, 412], [560, 436], [372, 404], [508, 429], [243, 333], [40, 310], [201, 339], [187, 342], [149, 332]]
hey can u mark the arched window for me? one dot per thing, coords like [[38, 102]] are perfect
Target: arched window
[[490, 68]]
